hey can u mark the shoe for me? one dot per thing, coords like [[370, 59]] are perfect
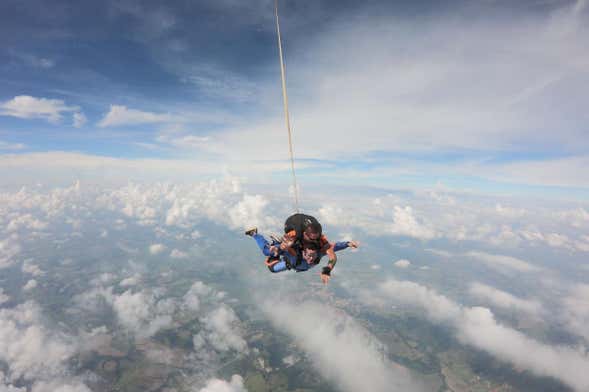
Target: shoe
[[251, 232]]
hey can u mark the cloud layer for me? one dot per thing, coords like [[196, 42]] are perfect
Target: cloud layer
[[344, 352], [476, 326]]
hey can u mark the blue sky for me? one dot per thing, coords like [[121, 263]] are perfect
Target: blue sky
[[487, 96]]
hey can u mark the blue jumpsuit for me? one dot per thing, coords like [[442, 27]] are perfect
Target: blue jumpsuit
[[286, 258]]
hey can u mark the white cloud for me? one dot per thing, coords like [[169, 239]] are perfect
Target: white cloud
[[121, 115], [25, 221], [130, 281], [290, 360], [192, 298], [341, 349], [576, 310], [557, 240], [578, 217], [142, 313], [60, 386], [438, 307], [249, 212], [184, 141], [564, 172], [335, 215], [503, 263], [217, 385], [9, 249], [509, 212], [7, 387], [79, 120], [222, 330], [120, 170], [222, 83], [31, 269], [477, 326], [25, 106], [426, 95], [27, 347], [440, 252], [11, 146], [405, 223], [505, 300], [30, 285], [156, 249], [3, 297], [34, 60], [402, 263]]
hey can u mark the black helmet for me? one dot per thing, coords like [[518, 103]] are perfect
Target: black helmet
[[313, 225]]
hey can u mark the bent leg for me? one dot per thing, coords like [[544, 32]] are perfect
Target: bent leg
[[263, 244]]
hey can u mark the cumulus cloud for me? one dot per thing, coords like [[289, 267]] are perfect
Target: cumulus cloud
[[402, 263], [31, 269], [249, 211], [156, 249], [576, 310], [222, 331], [222, 201], [501, 263], [30, 285], [3, 297], [221, 328], [290, 360], [191, 299], [130, 281], [509, 212], [505, 300], [185, 206], [9, 249], [25, 106], [477, 326], [578, 217], [217, 385], [405, 223], [121, 115], [25, 221], [141, 312], [342, 350], [335, 215], [79, 120], [28, 348], [557, 240]]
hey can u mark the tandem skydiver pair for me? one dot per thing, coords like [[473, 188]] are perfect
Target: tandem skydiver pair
[[301, 248]]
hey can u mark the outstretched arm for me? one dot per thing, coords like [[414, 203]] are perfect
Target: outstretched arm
[[340, 245], [326, 271]]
